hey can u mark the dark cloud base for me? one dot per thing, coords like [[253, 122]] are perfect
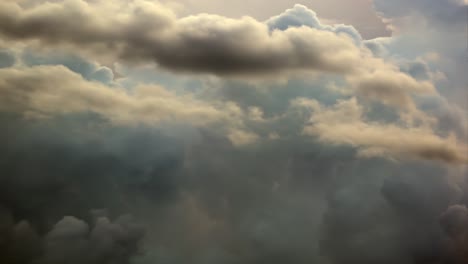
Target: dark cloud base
[[208, 202]]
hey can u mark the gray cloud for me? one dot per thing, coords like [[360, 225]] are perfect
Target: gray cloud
[[300, 15], [204, 201], [395, 219], [7, 58], [70, 240], [53, 169], [209, 43], [192, 198], [417, 69]]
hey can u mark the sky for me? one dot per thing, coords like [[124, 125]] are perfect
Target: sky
[[227, 132]]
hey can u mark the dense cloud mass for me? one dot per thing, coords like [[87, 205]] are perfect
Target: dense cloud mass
[[201, 43], [132, 135], [70, 240]]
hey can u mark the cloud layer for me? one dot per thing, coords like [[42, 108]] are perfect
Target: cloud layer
[[132, 135]]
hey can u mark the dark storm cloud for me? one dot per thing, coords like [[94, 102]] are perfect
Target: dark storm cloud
[[55, 173], [73, 241], [207, 201], [392, 216], [261, 205], [70, 241], [454, 223]]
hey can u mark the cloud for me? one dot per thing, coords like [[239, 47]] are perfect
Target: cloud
[[391, 87], [201, 43], [300, 15], [55, 90], [70, 240], [418, 69], [345, 124], [7, 58], [239, 137], [389, 215], [188, 154], [293, 42], [191, 193], [201, 198], [70, 169], [437, 12], [89, 70]]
